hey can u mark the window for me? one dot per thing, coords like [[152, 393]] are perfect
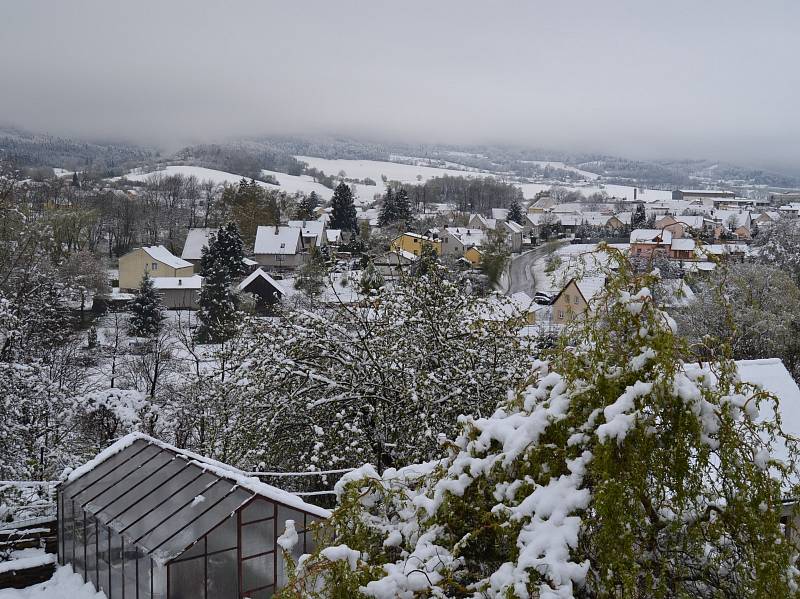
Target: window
[[576, 300], [416, 240], [154, 266], [566, 295], [561, 314]]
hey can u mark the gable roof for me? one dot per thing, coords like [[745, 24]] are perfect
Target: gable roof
[[163, 255], [310, 228], [259, 273], [277, 240], [150, 493], [196, 240], [655, 236], [467, 236], [589, 287]]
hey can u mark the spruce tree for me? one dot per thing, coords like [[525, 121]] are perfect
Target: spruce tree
[[343, 215], [311, 277], [388, 212], [75, 181], [147, 312], [515, 213], [403, 212], [221, 264], [639, 217]]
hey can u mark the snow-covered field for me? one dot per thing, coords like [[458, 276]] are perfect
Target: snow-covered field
[[564, 166]]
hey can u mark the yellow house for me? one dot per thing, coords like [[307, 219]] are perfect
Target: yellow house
[[156, 260], [474, 255], [414, 242], [575, 299]]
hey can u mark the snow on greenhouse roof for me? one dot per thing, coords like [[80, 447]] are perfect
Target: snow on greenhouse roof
[[162, 498]]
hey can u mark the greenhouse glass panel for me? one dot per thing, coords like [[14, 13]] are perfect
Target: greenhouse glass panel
[[159, 522], [103, 571], [258, 537], [190, 504], [128, 508], [91, 549], [211, 518], [258, 509], [115, 476], [143, 576], [198, 548], [223, 575], [66, 538], [187, 579], [141, 466], [129, 562], [79, 545], [131, 520], [89, 479], [285, 513], [116, 564], [258, 572], [223, 536], [159, 574]]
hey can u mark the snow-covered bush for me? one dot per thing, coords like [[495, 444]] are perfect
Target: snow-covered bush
[[618, 471]]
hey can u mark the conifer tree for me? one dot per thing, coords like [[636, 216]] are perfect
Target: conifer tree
[[221, 265], [388, 212], [147, 311], [306, 207], [403, 212], [311, 277], [343, 215], [515, 213], [75, 181], [639, 217]]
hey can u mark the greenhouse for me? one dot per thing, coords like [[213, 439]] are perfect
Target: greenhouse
[[145, 520]]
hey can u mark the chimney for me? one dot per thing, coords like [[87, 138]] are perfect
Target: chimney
[[634, 194], [276, 229], [180, 282]]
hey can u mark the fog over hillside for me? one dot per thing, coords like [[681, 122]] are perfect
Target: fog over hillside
[[670, 80]]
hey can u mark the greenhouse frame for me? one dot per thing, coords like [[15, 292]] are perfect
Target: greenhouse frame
[[145, 520]]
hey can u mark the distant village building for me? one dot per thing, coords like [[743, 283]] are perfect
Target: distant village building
[[179, 293], [312, 231], [264, 288], [196, 240], [712, 194], [413, 243], [279, 247], [156, 260], [575, 299]]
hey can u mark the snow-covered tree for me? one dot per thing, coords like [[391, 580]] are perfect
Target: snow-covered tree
[[307, 205], [619, 470], [371, 279], [377, 382], [311, 276], [639, 217], [495, 255], [221, 265], [343, 215], [779, 245], [388, 210], [515, 212], [147, 311]]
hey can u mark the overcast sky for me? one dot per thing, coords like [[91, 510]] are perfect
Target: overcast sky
[[640, 78]]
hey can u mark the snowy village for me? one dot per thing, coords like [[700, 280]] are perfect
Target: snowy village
[[259, 342]]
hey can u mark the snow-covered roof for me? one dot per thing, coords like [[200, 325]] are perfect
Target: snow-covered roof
[[513, 226], [467, 236], [683, 244], [163, 255], [260, 273], [112, 486], [310, 228], [333, 235], [196, 240], [656, 236], [277, 240], [500, 213], [677, 294], [193, 282], [590, 286]]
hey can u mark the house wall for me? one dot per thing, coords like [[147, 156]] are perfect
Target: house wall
[[280, 261], [414, 245], [474, 257], [180, 299], [568, 305], [452, 246], [134, 264]]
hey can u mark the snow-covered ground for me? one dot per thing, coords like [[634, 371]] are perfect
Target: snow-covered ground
[[65, 584], [564, 166]]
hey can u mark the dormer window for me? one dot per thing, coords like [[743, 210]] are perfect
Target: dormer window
[[283, 245]]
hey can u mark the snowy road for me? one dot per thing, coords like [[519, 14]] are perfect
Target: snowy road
[[520, 270]]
